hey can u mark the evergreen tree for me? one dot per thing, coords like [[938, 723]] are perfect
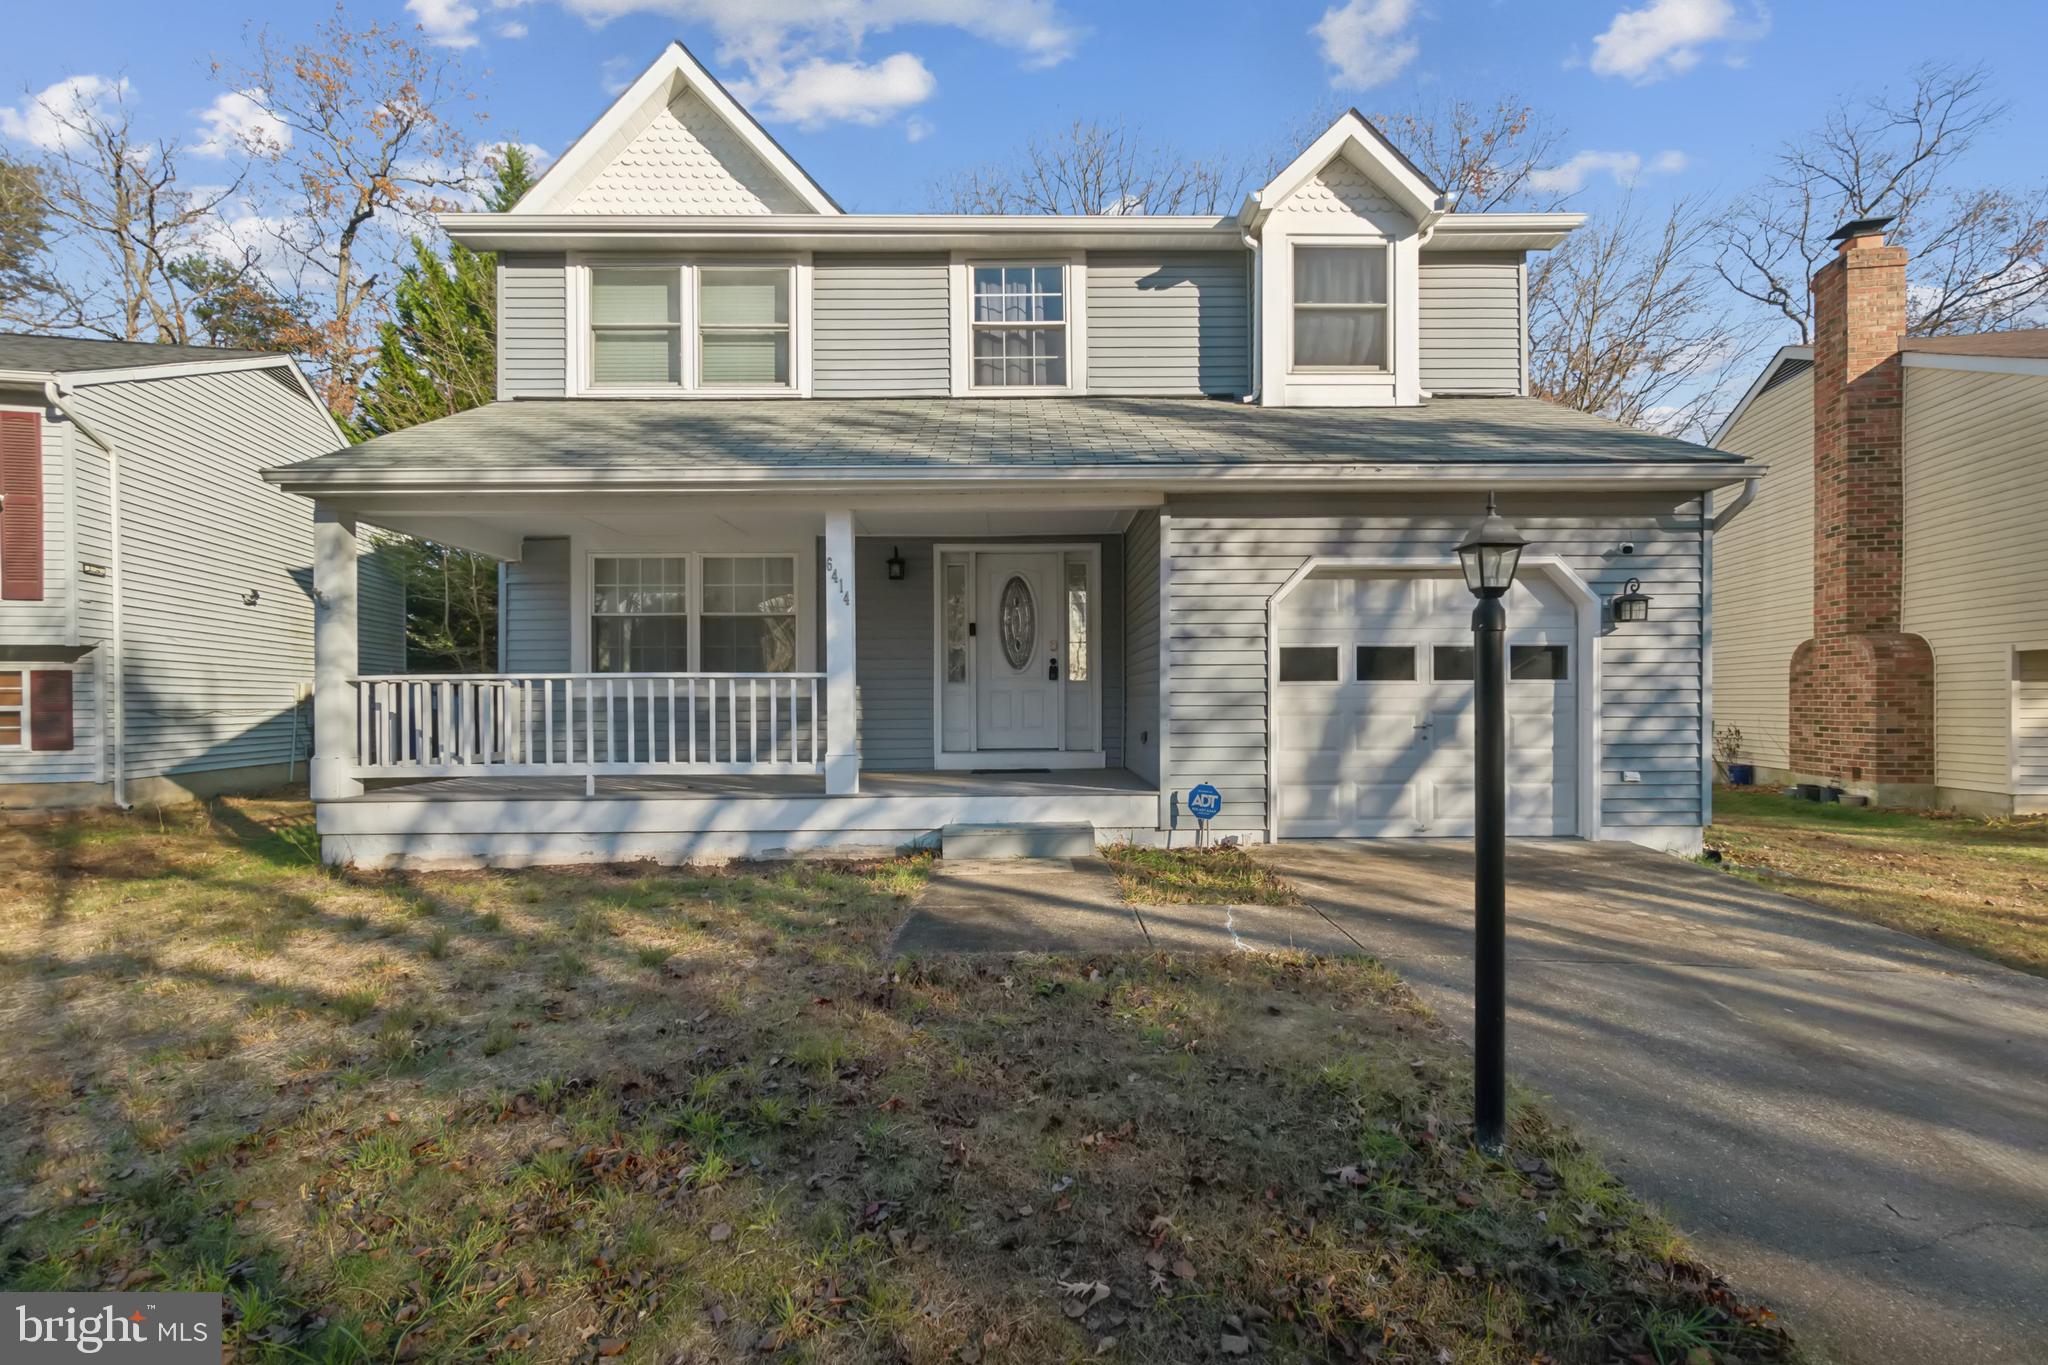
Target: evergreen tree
[[438, 356], [235, 306]]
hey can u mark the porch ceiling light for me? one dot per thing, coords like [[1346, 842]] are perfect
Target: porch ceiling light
[[1632, 604], [896, 565], [1490, 554]]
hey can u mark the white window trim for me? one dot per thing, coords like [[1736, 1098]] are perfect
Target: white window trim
[[578, 322], [583, 649], [1385, 246], [960, 282], [22, 745]]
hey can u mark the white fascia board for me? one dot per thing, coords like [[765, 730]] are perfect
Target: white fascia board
[[71, 379], [1363, 145], [478, 483], [1983, 364], [1756, 386], [1503, 231], [589, 231], [675, 63]]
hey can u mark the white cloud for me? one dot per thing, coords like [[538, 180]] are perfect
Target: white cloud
[[821, 92], [917, 129], [787, 31], [237, 119], [452, 23], [49, 119], [1624, 168], [512, 28], [1364, 40], [1668, 37]]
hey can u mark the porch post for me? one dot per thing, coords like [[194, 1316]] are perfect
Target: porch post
[[331, 775], [842, 751]]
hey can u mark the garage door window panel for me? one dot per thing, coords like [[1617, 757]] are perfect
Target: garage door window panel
[[1386, 663], [1451, 663], [1539, 663], [1308, 663]]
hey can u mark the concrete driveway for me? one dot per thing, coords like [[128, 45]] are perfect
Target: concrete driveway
[[1851, 1123]]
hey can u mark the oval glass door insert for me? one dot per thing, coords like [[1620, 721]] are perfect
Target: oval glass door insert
[[1019, 623]]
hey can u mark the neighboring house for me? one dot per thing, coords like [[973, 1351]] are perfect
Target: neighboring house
[[832, 529], [156, 630], [1882, 630]]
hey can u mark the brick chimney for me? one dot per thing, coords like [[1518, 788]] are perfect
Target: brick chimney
[[1862, 698]]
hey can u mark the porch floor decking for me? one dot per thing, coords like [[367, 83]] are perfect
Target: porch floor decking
[[728, 786]]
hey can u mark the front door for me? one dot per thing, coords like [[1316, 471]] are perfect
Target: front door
[[1017, 651]]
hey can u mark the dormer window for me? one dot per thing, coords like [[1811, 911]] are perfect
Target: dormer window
[[743, 327], [1342, 314], [1020, 326], [636, 328]]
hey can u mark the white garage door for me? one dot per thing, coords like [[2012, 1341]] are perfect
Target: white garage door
[[1374, 720]]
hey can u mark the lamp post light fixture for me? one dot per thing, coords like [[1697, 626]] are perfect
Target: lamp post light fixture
[[1490, 554], [1632, 604]]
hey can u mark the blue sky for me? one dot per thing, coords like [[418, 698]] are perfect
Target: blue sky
[[878, 98]]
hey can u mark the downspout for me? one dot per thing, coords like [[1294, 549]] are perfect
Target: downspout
[[1258, 327], [1742, 500], [115, 660]]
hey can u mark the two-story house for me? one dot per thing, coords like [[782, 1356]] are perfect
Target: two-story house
[[831, 529], [156, 623]]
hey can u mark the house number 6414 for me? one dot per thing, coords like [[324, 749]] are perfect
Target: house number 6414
[[832, 575]]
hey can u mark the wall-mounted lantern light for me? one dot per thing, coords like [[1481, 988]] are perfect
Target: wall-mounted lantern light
[[251, 598], [1632, 604], [896, 565]]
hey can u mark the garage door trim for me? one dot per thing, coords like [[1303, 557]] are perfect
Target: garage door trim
[[1587, 614]]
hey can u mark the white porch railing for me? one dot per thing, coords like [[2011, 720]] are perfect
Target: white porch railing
[[588, 724]]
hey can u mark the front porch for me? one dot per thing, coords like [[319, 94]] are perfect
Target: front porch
[[733, 677], [510, 821]]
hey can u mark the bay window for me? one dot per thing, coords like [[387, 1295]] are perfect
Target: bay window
[[1342, 316]]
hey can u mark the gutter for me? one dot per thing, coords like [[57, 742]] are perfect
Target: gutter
[[54, 393], [1742, 500]]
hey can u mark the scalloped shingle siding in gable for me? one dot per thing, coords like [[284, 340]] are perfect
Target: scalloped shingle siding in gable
[[687, 161], [1339, 187]]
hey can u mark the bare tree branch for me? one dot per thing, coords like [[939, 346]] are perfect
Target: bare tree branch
[[1977, 250], [1094, 167]]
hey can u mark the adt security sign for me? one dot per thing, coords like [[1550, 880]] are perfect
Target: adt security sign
[[1205, 802]]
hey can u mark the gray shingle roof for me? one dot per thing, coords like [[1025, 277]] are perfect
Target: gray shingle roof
[[598, 437], [72, 355]]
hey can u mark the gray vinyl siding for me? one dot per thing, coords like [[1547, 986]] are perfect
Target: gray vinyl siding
[[1141, 646], [895, 639], [380, 607], [1228, 558], [1160, 324], [1472, 322], [879, 326], [533, 326], [212, 680], [533, 628]]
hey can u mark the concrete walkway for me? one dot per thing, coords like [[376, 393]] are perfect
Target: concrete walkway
[[1072, 905], [1851, 1123]]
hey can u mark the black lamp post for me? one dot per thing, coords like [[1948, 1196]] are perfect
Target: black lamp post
[[1489, 556]]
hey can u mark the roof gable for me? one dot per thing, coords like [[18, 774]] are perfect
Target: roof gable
[[1351, 168], [676, 142]]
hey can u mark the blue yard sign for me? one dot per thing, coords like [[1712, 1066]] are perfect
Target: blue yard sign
[[1205, 802]]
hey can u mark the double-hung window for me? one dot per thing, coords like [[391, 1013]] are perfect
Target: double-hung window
[[1342, 317], [1019, 325], [743, 609], [692, 327], [13, 708], [640, 614], [749, 623]]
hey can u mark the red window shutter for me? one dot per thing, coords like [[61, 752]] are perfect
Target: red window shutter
[[21, 512], [49, 708]]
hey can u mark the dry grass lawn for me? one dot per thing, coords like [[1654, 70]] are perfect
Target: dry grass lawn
[[1978, 885], [679, 1115], [1221, 874]]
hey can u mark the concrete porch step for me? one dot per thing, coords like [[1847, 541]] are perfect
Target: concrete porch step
[[1017, 841]]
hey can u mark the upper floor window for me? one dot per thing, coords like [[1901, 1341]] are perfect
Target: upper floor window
[[636, 328], [691, 327], [743, 326], [1341, 313], [1020, 326]]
